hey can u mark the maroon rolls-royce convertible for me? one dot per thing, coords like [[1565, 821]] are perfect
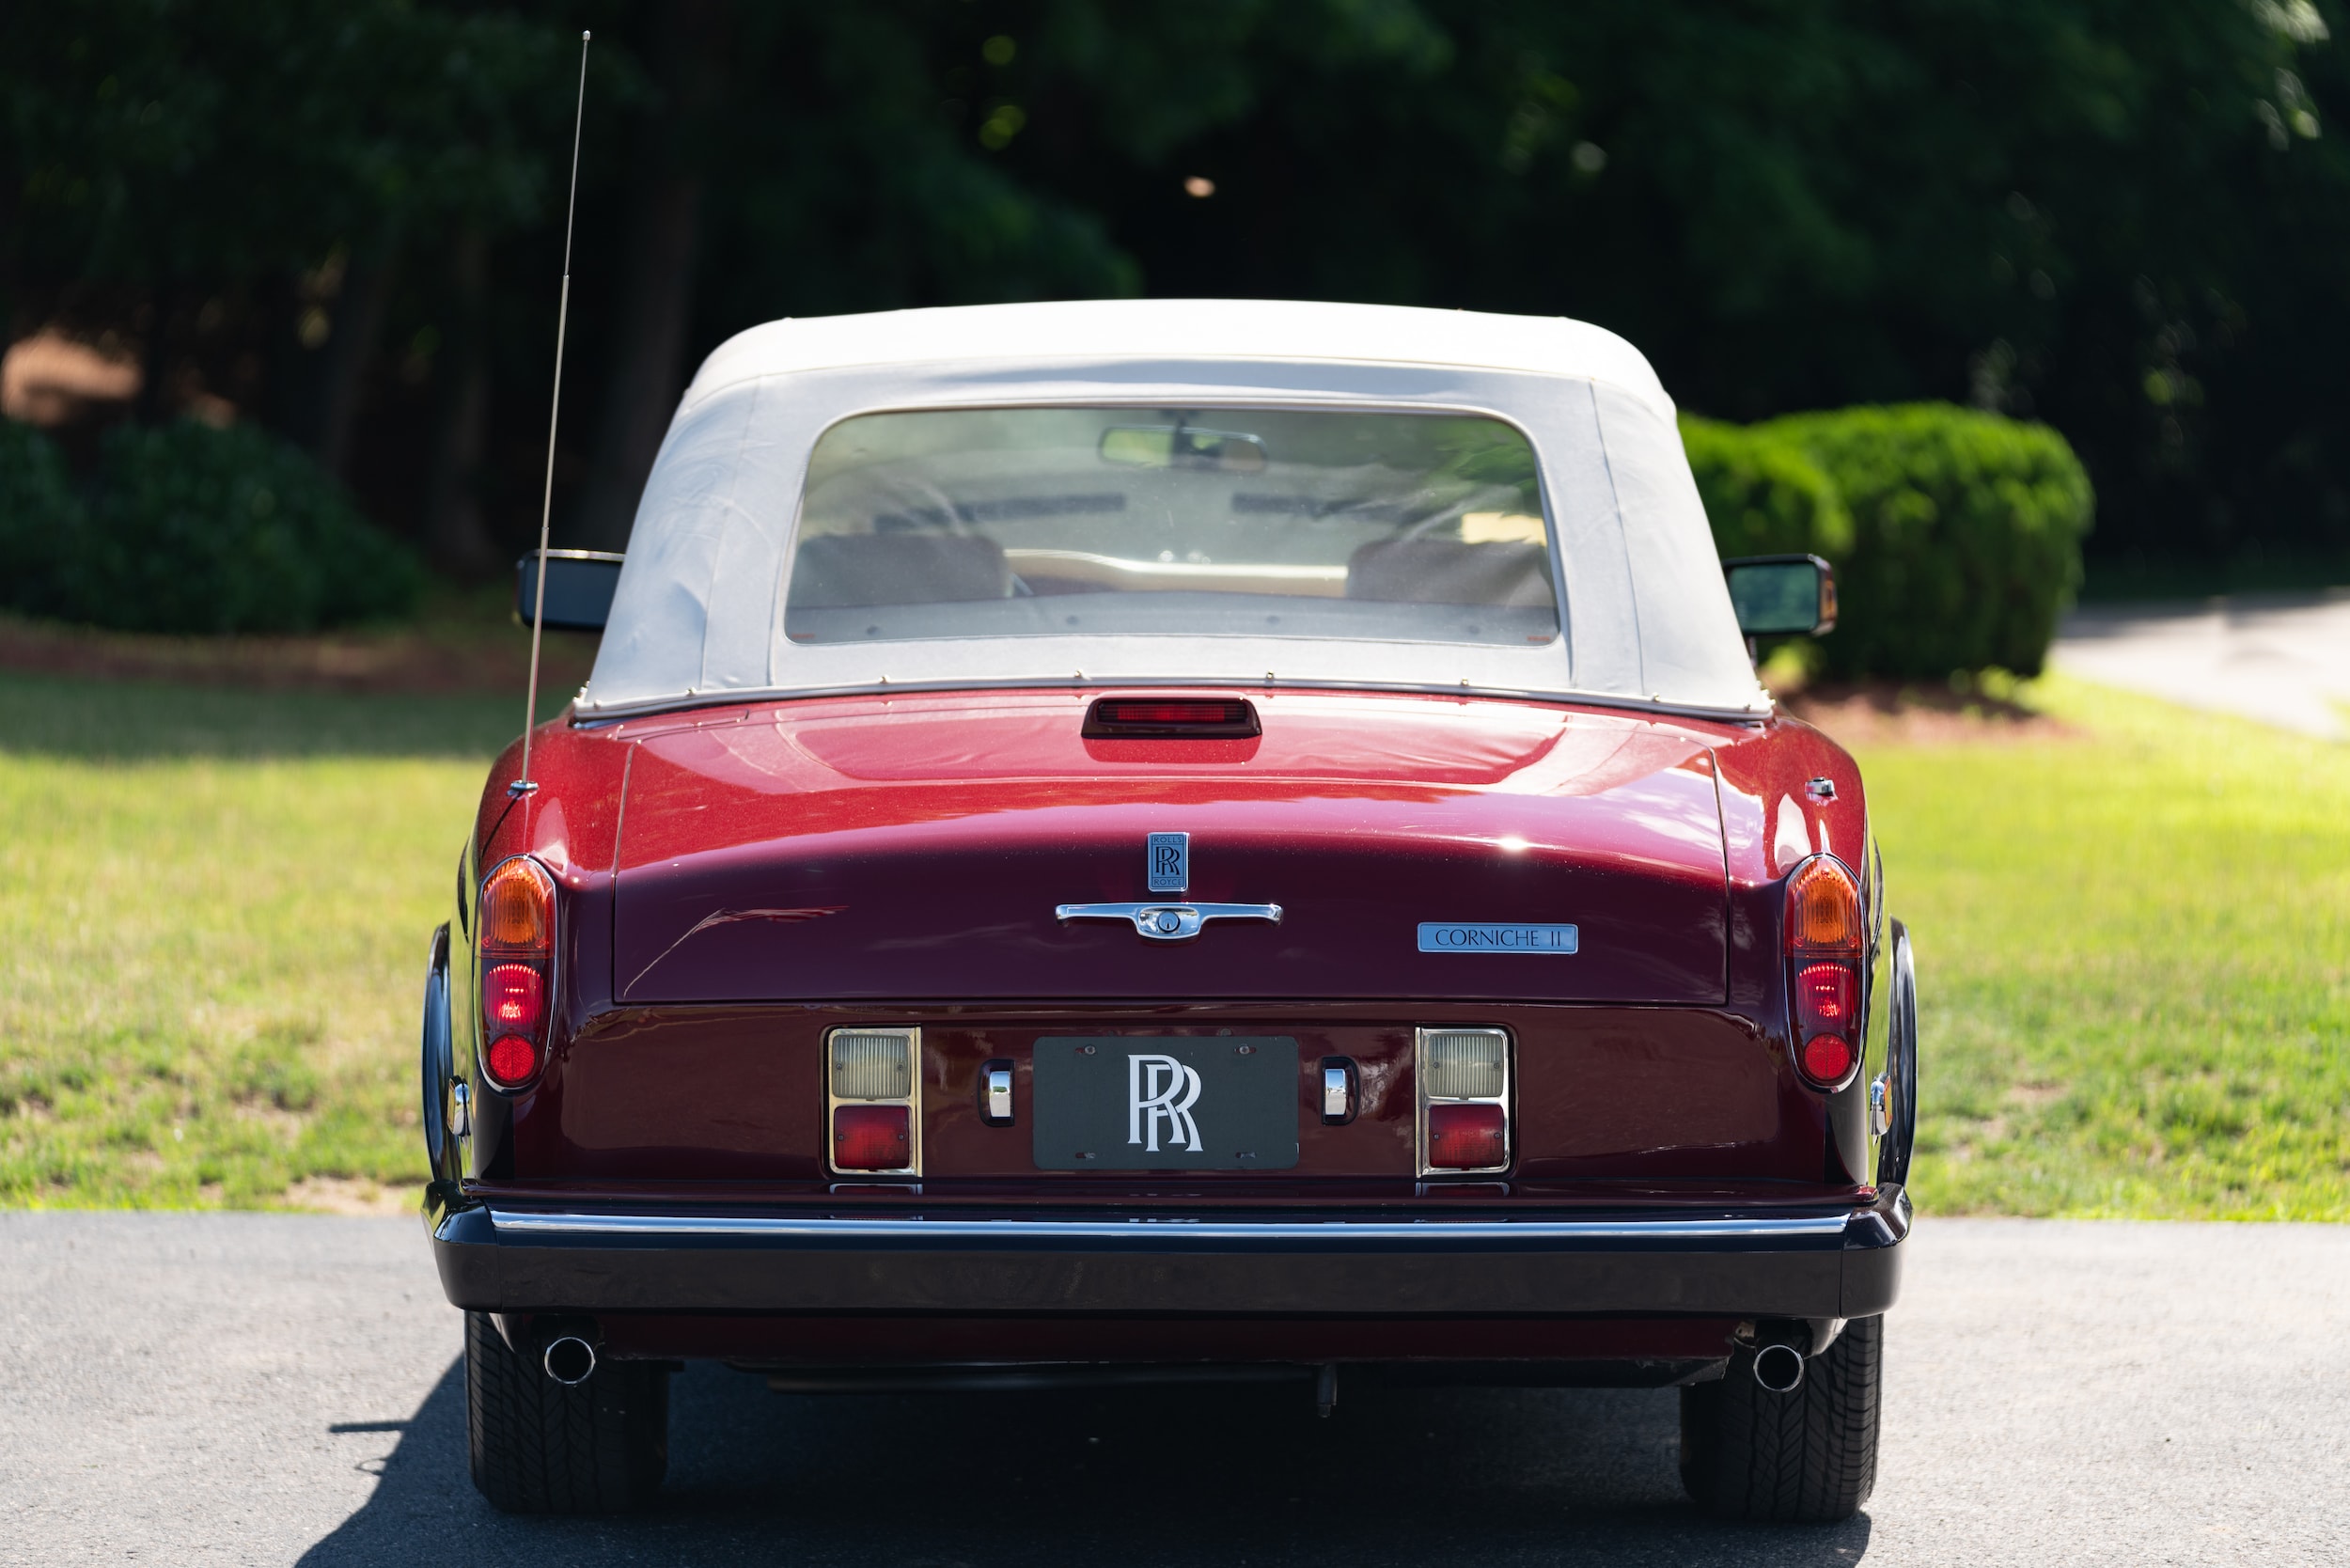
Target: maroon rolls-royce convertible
[[1180, 839]]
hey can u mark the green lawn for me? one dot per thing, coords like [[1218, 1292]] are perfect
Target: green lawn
[[2133, 964], [2134, 948], [213, 911]]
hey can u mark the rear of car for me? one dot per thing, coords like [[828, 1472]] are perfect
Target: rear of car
[[1337, 979]]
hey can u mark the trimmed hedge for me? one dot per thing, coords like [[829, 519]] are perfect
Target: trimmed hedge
[[1955, 534], [1764, 496], [194, 529]]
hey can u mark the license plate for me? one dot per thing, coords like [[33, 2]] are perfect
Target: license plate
[[1106, 1102]]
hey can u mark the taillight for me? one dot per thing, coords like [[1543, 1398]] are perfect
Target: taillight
[[516, 940], [1463, 1077], [873, 1100], [1467, 1138], [1824, 954], [872, 1138]]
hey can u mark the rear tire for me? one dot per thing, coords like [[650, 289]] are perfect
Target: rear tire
[[537, 1446], [1809, 1456]]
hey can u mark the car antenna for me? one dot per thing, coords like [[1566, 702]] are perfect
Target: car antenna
[[523, 786]]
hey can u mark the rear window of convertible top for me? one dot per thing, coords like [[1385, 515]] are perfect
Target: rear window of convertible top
[[1085, 522]]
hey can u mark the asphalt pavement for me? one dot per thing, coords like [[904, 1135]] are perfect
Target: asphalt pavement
[[285, 1389], [2284, 659]]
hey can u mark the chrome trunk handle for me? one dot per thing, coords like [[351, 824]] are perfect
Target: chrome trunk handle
[[1167, 922]]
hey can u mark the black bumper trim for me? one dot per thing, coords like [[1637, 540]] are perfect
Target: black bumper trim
[[1822, 1263]]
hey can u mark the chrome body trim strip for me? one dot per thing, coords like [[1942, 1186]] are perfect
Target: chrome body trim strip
[[598, 714], [1175, 1231]]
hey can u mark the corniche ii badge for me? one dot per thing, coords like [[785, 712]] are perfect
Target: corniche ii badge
[[1460, 936], [1167, 870]]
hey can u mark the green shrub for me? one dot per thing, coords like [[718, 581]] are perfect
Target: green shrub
[[199, 529], [39, 514], [1764, 494], [1966, 537], [1955, 534]]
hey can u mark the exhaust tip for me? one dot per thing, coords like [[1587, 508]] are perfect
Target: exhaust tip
[[1778, 1367], [571, 1361]]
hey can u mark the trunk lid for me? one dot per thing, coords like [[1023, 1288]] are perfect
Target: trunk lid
[[851, 848]]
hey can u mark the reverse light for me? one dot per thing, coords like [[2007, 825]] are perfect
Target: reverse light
[[515, 939], [1824, 955], [1464, 1095], [873, 1100]]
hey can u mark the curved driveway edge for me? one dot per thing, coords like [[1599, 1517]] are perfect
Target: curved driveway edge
[[2284, 659]]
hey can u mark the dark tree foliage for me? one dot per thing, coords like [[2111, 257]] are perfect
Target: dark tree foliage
[[2123, 217]]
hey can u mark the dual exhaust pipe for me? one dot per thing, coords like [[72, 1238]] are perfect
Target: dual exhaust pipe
[[1780, 1350], [570, 1361], [1777, 1367]]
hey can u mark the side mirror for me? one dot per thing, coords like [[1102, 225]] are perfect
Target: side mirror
[[579, 589], [1777, 596]]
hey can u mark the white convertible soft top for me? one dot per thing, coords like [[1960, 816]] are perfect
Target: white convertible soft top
[[698, 615]]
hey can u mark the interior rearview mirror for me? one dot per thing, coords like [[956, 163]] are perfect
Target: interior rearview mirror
[[579, 589], [1182, 447], [1778, 596]]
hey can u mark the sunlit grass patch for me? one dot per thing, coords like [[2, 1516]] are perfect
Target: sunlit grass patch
[[213, 910], [2134, 962]]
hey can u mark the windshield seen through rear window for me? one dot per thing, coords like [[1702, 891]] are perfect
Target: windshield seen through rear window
[[1199, 522]]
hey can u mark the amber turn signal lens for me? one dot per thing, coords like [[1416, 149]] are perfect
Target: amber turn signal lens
[[1822, 908], [1467, 1137], [871, 1137], [512, 1061], [518, 908]]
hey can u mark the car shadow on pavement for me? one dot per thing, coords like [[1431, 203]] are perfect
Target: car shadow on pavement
[[1135, 1476]]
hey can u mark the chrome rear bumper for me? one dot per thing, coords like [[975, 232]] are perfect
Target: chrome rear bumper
[[1840, 1262]]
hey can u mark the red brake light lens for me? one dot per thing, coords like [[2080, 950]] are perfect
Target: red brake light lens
[[1826, 998], [513, 997], [871, 1137], [1826, 1057], [1467, 1137], [512, 1060], [1169, 712], [1196, 718]]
